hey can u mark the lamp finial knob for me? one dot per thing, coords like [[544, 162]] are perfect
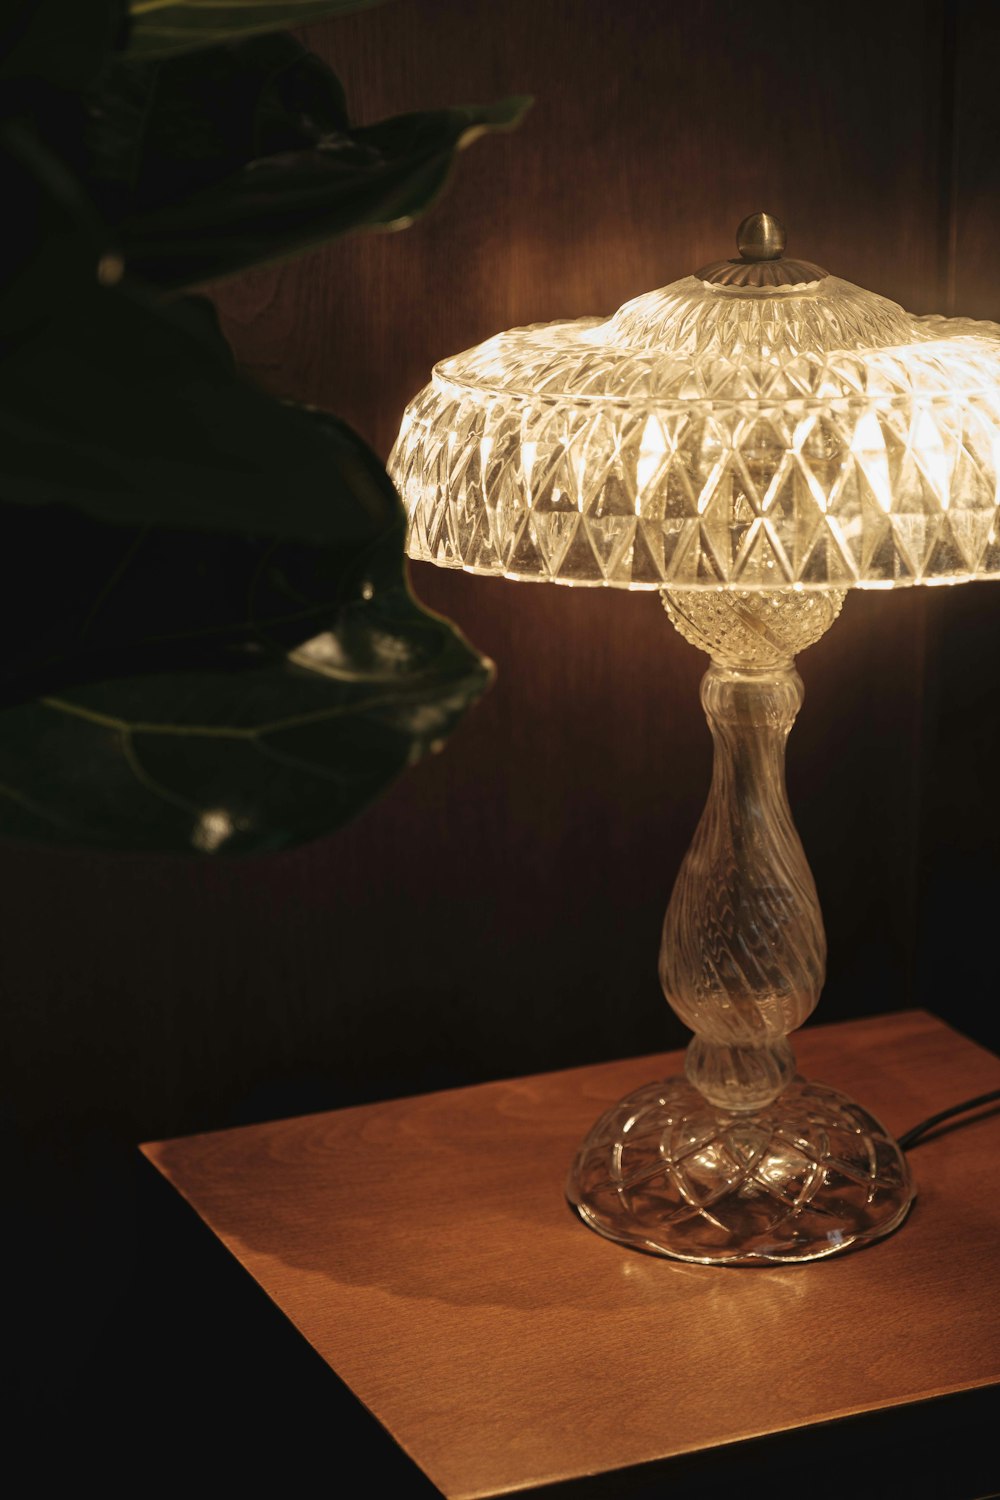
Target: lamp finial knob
[[761, 237]]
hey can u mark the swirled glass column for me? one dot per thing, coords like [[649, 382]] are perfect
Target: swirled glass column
[[742, 1160]]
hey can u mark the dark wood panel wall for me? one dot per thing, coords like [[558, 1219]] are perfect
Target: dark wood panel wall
[[499, 911], [959, 852]]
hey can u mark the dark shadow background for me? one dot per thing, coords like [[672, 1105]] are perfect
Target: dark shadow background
[[498, 912]]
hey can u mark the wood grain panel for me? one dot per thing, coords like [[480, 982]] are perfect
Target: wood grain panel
[[959, 811], [975, 170], [425, 1250], [499, 911]]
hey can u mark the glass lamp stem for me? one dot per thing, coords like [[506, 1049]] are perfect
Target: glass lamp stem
[[743, 955]]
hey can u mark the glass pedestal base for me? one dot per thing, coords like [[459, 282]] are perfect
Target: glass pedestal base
[[809, 1176]]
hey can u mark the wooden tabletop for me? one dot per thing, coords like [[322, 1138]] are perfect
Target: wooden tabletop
[[424, 1248]]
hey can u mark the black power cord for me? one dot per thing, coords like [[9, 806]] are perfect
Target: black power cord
[[914, 1134]]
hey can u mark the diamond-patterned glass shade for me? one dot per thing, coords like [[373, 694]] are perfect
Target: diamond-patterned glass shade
[[812, 435]]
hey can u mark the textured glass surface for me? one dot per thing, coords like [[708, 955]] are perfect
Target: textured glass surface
[[804, 1178], [706, 435], [743, 955], [741, 1160]]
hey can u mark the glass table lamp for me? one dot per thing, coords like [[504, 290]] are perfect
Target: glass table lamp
[[750, 441]]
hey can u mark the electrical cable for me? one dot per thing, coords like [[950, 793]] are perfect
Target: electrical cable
[[913, 1135]]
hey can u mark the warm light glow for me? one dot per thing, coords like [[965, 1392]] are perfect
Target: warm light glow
[[928, 448], [212, 830], [706, 436], [868, 444], [651, 451]]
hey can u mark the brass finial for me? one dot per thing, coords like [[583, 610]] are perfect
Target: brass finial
[[761, 237], [762, 263]]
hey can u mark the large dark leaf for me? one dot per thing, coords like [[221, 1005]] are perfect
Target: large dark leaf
[[135, 415], [238, 672], [161, 28], [207, 761], [381, 176], [209, 642], [224, 684], [160, 131], [215, 161], [85, 600]]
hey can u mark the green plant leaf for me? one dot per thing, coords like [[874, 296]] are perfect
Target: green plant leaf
[[187, 444], [161, 28], [159, 131], [208, 687], [220, 762], [208, 641], [211, 162], [90, 600], [378, 177], [152, 528]]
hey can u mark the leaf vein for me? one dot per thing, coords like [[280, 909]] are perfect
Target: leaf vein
[[225, 731]]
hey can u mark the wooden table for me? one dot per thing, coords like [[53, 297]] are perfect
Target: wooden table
[[424, 1248]]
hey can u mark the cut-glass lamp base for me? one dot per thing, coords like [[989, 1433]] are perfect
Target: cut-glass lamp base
[[810, 1175]]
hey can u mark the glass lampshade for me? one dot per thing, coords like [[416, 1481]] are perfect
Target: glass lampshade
[[807, 434]]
